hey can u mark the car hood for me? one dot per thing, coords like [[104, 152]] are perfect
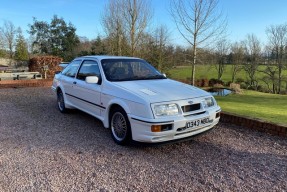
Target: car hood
[[161, 90]]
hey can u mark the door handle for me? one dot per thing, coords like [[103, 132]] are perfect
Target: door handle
[[74, 82]]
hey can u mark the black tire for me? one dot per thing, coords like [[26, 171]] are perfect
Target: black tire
[[61, 101], [120, 126]]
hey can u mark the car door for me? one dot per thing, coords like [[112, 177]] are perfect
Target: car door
[[88, 95], [67, 79]]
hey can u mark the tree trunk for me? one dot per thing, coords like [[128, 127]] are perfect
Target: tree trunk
[[193, 63], [279, 78], [233, 74]]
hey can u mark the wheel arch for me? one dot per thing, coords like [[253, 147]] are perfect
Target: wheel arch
[[120, 127], [109, 110], [59, 89]]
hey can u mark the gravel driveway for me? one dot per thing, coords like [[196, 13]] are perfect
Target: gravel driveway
[[44, 150]]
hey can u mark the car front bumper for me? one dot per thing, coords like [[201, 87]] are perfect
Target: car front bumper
[[141, 128]]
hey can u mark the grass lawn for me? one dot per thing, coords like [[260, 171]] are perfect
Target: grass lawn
[[264, 106], [209, 72], [268, 107], [203, 71]]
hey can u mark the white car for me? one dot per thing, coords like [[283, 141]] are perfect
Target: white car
[[134, 100]]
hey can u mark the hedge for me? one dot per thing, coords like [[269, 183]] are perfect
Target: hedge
[[37, 64]]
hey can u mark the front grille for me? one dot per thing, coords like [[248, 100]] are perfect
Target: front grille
[[189, 108]]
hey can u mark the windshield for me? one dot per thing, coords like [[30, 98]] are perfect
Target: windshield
[[129, 69]]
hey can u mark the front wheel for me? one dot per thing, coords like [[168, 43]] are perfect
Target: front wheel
[[61, 102], [120, 126]]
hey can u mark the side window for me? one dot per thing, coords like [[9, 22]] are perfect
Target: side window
[[88, 68], [72, 68]]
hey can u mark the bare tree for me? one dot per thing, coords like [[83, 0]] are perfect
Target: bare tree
[[137, 15], [270, 73], [237, 51], [277, 35], [113, 23], [1, 39], [2, 48], [161, 37], [253, 55], [199, 22], [9, 33], [221, 52]]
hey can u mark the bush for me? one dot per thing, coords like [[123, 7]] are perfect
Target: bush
[[239, 80], [235, 87], [201, 82], [212, 82], [243, 85], [260, 88], [228, 83], [205, 82], [253, 88], [217, 85], [37, 64]]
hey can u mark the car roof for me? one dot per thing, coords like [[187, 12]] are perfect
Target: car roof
[[100, 57]]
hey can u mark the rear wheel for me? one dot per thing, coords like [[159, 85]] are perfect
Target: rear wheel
[[120, 126], [61, 101]]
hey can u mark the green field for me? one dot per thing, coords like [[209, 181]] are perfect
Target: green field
[[209, 72], [264, 106], [202, 71]]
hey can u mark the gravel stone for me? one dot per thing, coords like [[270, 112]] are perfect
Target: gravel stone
[[42, 149]]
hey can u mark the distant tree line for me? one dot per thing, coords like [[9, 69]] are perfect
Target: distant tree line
[[128, 31]]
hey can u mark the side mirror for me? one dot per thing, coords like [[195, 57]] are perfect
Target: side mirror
[[92, 79]]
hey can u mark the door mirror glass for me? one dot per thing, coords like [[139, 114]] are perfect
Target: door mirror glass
[[92, 79]]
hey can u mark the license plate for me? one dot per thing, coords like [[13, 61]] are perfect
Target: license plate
[[196, 123]]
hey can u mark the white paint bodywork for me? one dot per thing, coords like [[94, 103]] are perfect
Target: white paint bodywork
[[138, 98]]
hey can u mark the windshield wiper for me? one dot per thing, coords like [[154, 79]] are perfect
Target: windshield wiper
[[140, 78], [156, 77]]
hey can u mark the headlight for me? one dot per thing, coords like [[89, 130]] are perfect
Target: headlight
[[208, 102], [166, 109]]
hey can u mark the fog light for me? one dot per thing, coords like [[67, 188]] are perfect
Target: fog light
[[217, 115], [156, 128]]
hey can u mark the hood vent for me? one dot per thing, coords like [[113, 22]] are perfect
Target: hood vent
[[148, 92]]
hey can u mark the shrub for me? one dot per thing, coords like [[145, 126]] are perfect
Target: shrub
[[217, 85], [235, 87], [260, 88], [201, 82], [228, 83], [253, 88], [37, 64], [205, 82], [239, 80], [198, 83], [243, 85], [212, 82]]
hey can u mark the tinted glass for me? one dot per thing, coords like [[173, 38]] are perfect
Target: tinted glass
[[88, 68], [72, 68], [129, 69]]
